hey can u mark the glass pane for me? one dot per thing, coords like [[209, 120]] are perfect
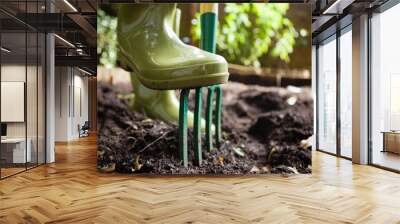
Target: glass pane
[[41, 98], [386, 89], [327, 96], [32, 97], [346, 94], [32, 86], [14, 153], [314, 92], [23, 88]]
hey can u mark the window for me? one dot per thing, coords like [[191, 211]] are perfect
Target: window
[[385, 89], [346, 92], [327, 96]]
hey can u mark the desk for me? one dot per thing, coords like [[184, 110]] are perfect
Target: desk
[[13, 150], [391, 141]]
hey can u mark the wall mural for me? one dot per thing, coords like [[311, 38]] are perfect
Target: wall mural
[[165, 105]]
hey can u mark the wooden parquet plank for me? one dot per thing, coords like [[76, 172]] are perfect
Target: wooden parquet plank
[[72, 191]]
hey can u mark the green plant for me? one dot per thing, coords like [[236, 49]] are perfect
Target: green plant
[[106, 39], [248, 31]]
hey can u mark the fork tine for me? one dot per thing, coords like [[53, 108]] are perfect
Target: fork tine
[[183, 126], [209, 120], [197, 125], [218, 115]]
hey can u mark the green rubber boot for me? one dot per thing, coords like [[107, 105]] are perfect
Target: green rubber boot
[[152, 50], [160, 104]]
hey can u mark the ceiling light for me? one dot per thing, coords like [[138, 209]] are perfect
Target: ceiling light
[[79, 51], [5, 50], [337, 7], [65, 41], [70, 5], [84, 71]]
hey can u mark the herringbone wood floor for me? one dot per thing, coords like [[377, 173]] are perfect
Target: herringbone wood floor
[[72, 191]]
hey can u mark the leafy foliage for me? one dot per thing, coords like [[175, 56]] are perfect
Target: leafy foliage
[[106, 38], [248, 31]]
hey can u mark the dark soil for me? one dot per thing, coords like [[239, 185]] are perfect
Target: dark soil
[[270, 125]]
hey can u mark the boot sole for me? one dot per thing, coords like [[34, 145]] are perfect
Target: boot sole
[[178, 83], [186, 83]]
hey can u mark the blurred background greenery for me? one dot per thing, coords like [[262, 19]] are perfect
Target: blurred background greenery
[[106, 38], [251, 34], [248, 31]]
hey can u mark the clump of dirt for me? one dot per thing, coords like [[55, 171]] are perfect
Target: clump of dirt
[[264, 129]]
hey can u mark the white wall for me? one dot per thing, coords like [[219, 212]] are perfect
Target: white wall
[[33, 126], [360, 90], [314, 92], [50, 95], [71, 94], [62, 81], [80, 118], [12, 73]]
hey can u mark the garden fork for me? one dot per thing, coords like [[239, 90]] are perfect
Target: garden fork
[[208, 22]]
